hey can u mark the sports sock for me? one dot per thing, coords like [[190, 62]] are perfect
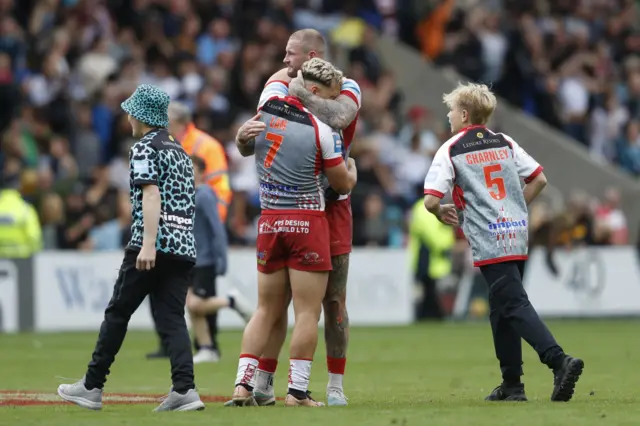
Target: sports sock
[[264, 375], [336, 368], [299, 374], [247, 366]]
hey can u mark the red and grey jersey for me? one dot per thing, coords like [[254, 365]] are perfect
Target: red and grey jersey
[[483, 170], [291, 154], [349, 88]]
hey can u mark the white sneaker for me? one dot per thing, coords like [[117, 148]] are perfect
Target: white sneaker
[[206, 356], [190, 401], [80, 395], [336, 398], [242, 305]]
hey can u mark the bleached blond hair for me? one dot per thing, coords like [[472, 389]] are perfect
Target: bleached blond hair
[[321, 71], [476, 99]]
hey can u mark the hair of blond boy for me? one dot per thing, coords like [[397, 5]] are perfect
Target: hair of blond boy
[[476, 99], [322, 71]]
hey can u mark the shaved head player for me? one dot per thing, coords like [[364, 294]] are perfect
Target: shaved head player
[[341, 114]]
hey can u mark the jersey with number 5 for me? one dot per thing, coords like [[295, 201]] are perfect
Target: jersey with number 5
[[291, 154], [483, 170]]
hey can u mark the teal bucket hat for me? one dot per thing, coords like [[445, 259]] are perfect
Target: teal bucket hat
[[149, 105]]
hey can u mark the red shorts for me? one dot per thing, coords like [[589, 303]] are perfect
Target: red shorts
[[340, 226], [295, 239]]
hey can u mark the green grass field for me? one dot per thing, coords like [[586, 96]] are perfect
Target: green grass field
[[420, 375]]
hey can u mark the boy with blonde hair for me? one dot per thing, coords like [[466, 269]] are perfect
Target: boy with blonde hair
[[483, 169]]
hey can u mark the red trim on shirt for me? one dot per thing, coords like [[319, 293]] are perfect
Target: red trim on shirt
[[500, 260], [351, 95], [332, 162], [434, 193], [473, 126], [277, 81], [534, 175], [318, 166]]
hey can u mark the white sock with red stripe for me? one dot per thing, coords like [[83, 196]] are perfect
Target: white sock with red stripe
[[299, 375], [247, 366]]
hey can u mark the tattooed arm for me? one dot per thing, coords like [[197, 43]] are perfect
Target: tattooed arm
[[247, 149], [337, 113]]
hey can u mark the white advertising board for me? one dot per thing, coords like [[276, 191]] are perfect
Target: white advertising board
[[72, 289], [592, 282]]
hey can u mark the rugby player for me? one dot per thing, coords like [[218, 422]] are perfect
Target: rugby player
[[483, 170], [340, 113], [293, 150]]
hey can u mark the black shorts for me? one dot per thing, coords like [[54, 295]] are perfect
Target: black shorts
[[203, 281]]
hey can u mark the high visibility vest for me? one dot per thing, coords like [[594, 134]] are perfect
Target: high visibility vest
[[425, 229], [20, 232], [198, 143]]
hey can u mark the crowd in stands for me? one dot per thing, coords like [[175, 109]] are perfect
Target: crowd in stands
[[573, 63], [65, 66]]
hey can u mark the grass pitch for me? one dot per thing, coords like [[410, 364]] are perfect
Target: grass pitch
[[434, 374]]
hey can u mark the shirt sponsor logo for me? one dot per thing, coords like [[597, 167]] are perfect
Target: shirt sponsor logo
[[179, 222], [507, 227], [337, 143]]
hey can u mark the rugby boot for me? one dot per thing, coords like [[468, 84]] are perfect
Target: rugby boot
[[243, 397], [292, 401], [336, 397], [504, 392], [81, 396], [190, 401], [565, 379]]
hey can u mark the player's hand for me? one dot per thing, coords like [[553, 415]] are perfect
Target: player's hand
[[296, 86], [351, 164], [448, 214], [146, 258], [251, 129]]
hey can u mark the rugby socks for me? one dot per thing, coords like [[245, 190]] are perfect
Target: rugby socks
[[299, 375], [247, 366], [336, 368], [264, 376]]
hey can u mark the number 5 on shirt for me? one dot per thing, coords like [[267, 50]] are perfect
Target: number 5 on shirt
[[276, 141], [495, 185]]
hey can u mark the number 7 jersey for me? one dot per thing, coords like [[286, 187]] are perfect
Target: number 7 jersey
[[291, 154], [483, 171]]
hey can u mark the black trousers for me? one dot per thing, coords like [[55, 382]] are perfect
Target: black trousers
[[203, 282], [166, 285], [513, 318]]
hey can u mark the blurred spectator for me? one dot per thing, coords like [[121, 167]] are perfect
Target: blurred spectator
[[573, 64], [65, 67]]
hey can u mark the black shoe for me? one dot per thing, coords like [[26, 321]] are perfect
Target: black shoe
[[160, 353], [565, 379], [507, 393]]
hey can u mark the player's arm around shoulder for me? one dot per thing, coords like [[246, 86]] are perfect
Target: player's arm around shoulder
[[342, 177], [337, 113], [247, 133]]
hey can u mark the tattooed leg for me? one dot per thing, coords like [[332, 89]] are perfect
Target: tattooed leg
[[336, 320]]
